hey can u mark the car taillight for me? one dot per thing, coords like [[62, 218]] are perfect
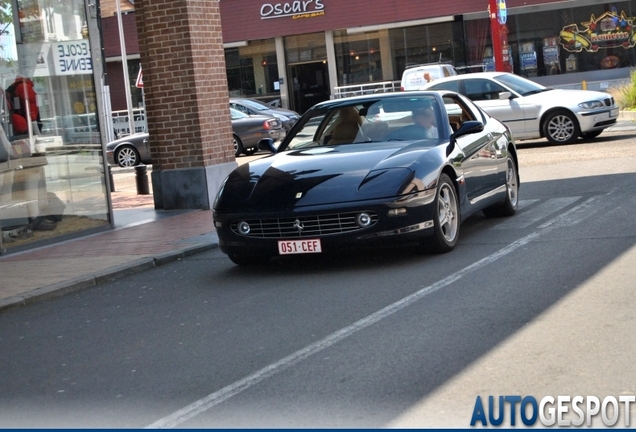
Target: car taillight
[[267, 124]]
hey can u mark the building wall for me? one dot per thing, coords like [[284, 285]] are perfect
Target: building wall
[[110, 33], [109, 7], [241, 19]]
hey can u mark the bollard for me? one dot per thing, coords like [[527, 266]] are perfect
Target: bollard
[[141, 179], [111, 178]]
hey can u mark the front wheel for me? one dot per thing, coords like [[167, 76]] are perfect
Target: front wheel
[[509, 206], [561, 127], [127, 156], [446, 220]]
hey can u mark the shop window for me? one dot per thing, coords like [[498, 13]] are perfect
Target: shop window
[[252, 71], [52, 180]]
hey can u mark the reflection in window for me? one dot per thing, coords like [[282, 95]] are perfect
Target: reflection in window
[[52, 178]]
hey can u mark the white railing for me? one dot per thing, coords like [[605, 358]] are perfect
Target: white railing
[[122, 126], [361, 89]]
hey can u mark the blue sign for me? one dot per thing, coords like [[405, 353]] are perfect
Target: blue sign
[[502, 15]]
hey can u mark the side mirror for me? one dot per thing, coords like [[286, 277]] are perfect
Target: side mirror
[[505, 95], [267, 144], [468, 127]]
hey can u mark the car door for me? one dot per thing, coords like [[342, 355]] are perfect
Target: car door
[[485, 94], [480, 164]]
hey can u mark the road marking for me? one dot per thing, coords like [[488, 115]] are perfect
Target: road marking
[[190, 411], [537, 213]]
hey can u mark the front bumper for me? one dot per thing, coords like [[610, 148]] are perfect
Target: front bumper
[[597, 119], [411, 223]]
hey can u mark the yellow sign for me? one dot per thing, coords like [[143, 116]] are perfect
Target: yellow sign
[[609, 30]]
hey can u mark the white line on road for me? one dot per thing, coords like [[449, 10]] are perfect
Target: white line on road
[[213, 399], [538, 213]]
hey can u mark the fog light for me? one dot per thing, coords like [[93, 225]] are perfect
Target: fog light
[[364, 220], [218, 224], [243, 228], [397, 211]]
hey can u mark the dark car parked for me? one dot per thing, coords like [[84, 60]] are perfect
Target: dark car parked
[[254, 106], [250, 129], [345, 177], [247, 131]]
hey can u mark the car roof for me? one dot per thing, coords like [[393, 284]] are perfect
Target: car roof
[[415, 66], [471, 76], [389, 95]]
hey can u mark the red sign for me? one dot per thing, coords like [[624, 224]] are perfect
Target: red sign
[[140, 79]]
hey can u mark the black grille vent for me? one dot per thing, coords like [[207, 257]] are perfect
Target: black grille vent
[[312, 226], [609, 101]]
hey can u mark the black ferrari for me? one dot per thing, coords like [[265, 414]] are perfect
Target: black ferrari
[[405, 167]]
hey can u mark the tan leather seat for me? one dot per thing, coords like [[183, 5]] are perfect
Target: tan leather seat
[[344, 133]]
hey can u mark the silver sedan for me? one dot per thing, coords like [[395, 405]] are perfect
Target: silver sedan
[[533, 111]]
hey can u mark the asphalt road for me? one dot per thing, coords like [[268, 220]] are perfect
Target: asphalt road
[[538, 304]]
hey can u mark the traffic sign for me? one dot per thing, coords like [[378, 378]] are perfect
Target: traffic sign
[[140, 79]]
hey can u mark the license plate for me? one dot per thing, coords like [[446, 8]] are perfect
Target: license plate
[[287, 247], [614, 112]]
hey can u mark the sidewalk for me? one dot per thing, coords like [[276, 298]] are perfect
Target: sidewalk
[[142, 238]]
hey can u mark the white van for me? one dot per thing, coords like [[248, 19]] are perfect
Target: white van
[[416, 76]]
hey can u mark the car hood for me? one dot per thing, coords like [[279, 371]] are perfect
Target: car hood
[[324, 175], [565, 96]]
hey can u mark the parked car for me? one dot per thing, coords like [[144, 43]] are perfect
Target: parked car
[[532, 110], [254, 106], [129, 151], [247, 131], [416, 76], [344, 179]]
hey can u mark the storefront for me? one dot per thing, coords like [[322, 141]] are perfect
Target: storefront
[[299, 52], [52, 176]]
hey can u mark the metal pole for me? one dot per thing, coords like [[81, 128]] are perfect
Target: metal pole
[[124, 62]]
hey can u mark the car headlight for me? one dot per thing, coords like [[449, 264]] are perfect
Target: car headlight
[[591, 104]]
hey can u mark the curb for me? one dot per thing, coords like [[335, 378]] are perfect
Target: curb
[[626, 115], [106, 275]]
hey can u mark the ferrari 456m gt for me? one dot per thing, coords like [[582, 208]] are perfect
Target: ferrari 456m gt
[[400, 167]]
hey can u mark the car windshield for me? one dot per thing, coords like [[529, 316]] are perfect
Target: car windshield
[[371, 121], [521, 85], [254, 104]]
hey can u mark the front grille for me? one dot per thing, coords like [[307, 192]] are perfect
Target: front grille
[[609, 101], [312, 226]]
